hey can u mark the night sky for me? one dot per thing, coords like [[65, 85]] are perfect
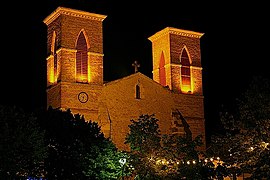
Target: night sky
[[234, 47]]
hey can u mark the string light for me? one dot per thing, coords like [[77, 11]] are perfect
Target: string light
[[189, 162]]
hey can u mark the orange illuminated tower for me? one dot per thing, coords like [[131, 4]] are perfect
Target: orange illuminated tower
[[177, 60], [177, 65], [74, 60]]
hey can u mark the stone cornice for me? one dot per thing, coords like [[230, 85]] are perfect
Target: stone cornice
[[72, 12], [73, 51], [180, 32], [195, 67], [95, 54], [191, 67]]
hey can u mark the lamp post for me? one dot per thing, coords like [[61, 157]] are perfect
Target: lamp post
[[122, 161]]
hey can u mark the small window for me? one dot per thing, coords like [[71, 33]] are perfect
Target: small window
[[138, 92], [162, 71]]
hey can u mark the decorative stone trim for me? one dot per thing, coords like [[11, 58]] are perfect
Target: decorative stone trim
[[191, 67], [195, 67], [66, 49], [95, 54], [180, 32], [74, 50], [49, 57], [167, 65], [72, 12]]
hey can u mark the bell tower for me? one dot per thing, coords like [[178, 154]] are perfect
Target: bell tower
[[177, 64], [177, 60], [74, 60]]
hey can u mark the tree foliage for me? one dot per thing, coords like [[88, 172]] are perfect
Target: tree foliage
[[244, 144], [103, 162], [158, 156], [77, 149], [144, 135], [22, 147]]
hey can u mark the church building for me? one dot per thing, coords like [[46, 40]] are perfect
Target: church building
[[75, 77]]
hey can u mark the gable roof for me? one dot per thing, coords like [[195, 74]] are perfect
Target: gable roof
[[137, 74]]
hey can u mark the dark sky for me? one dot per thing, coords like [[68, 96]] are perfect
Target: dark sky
[[234, 48]]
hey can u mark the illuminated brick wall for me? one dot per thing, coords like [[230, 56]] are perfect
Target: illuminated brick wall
[[118, 106], [53, 98], [192, 108], [118, 103]]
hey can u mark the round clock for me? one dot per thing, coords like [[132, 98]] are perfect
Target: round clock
[[83, 97]]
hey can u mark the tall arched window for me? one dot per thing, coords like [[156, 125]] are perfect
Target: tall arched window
[[81, 59], [54, 68], [138, 92], [185, 71], [162, 72]]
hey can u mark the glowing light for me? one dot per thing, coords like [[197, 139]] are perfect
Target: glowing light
[[264, 145], [51, 77], [82, 78], [122, 161], [50, 72], [89, 72], [162, 162], [186, 89]]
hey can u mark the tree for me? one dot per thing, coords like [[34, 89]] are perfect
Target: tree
[[244, 143], [22, 147], [168, 156], [77, 149], [103, 162], [144, 140]]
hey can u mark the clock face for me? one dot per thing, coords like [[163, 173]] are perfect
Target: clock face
[[83, 97]]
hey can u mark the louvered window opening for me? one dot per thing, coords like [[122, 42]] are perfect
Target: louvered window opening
[[81, 59], [185, 69]]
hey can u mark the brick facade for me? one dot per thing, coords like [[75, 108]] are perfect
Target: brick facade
[[114, 104]]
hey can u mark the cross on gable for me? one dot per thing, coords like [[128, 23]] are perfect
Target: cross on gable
[[136, 66]]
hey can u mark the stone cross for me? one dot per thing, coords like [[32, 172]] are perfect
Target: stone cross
[[136, 66]]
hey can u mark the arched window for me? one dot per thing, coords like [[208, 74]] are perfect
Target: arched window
[[81, 59], [55, 67], [138, 92], [185, 71], [162, 72], [54, 75]]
